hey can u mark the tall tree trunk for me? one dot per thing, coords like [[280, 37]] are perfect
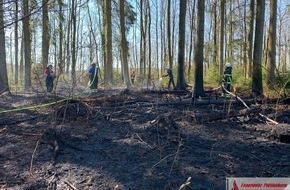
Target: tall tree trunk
[[222, 29], [27, 45], [250, 40], [16, 76], [257, 86], [173, 33], [68, 44], [80, 40], [279, 53], [149, 41], [21, 62], [73, 45], [143, 35], [157, 40], [192, 29], [198, 55], [108, 42], [33, 37], [162, 40], [135, 50], [91, 46], [79, 31], [215, 33], [134, 56], [245, 20], [271, 50], [169, 51], [45, 34], [124, 47], [60, 54], [180, 85], [230, 40], [92, 35], [11, 55], [56, 51], [103, 40], [4, 87], [142, 51], [144, 40]]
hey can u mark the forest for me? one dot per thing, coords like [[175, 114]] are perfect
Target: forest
[[146, 36], [134, 130]]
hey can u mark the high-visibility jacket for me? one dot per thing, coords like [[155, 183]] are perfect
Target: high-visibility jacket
[[227, 77]]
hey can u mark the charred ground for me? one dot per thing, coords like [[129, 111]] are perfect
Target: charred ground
[[126, 139]]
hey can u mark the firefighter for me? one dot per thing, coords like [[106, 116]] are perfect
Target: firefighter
[[93, 76], [49, 77], [227, 80], [170, 76], [133, 75]]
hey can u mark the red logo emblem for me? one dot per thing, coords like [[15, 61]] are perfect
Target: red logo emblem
[[235, 186]]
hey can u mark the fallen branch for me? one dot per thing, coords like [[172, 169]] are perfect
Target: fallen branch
[[142, 140], [171, 103], [161, 161], [187, 183], [261, 115], [32, 157], [70, 185], [176, 153]]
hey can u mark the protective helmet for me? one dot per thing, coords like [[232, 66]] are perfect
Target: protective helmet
[[49, 66], [228, 65]]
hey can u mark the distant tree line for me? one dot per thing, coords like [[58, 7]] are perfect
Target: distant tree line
[[191, 36]]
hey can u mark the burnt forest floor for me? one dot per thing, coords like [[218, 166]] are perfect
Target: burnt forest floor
[[138, 139]]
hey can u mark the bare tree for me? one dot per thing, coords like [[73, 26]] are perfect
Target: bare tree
[[245, 20], [222, 29], [4, 87], [92, 35], [103, 28], [142, 34], [230, 34], [45, 34], [73, 45], [271, 50], [157, 37], [68, 43], [149, 41], [215, 32], [163, 37], [143, 37], [181, 46], [192, 30], [124, 46], [27, 44], [169, 51], [60, 54], [108, 42], [198, 55], [250, 40], [257, 86], [21, 61], [16, 76]]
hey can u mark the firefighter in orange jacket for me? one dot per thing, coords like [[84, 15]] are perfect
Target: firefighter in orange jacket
[[49, 77]]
